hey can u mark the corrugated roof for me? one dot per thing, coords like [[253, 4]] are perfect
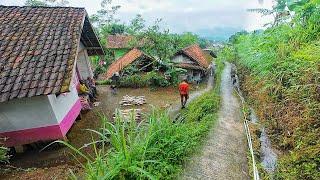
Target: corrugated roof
[[38, 48]]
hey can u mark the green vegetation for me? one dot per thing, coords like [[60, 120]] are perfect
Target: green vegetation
[[154, 149], [157, 43], [280, 70], [120, 52], [3, 154], [150, 79]]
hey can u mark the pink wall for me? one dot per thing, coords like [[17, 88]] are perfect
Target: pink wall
[[52, 132]]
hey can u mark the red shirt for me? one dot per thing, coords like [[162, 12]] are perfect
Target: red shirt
[[184, 88]]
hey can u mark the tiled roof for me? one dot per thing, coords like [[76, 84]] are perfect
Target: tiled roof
[[38, 48], [123, 62], [195, 52], [118, 41]]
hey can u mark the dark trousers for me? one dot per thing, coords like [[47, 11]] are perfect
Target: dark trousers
[[184, 99]]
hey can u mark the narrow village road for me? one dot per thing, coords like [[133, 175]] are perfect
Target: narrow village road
[[224, 153]]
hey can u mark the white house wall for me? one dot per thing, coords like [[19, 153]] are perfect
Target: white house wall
[[63, 103], [26, 113], [83, 63]]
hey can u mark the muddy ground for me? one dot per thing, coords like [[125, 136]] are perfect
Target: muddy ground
[[55, 162]]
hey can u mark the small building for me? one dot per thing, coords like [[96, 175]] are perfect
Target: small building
[[119, 44], [193, 60], [44, 51], [135, 58]]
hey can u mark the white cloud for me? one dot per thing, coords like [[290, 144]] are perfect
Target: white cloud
[[183, 15]]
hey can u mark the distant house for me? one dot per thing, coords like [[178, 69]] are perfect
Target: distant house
[[121, 44], [135, 58], [193, 60], [43, 54]]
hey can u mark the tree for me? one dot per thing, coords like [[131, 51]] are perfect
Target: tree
[[157, 43], [105, 16], [47, 3], [136, 26]]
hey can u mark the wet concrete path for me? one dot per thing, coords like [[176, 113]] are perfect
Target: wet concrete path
[[224, 153]]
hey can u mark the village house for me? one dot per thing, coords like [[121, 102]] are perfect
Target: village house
[[194, 61], [43, 55], [135, 58], [119, 44]]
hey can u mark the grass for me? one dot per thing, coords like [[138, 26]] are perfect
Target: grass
[[279, 70], [156, 148]]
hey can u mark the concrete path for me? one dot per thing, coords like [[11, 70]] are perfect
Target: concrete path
[[224, 154]]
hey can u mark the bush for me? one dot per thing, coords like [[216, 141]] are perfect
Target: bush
[[3, 154], [135, 81], [156, 79], [152, 79], [104, 82]]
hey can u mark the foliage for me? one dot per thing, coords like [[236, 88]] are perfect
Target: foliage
[[46, 2], [105, 16], [120, 52], [280, 72], [103, 82], [152, 150], [136, 25], [3, 154], [135, 80]]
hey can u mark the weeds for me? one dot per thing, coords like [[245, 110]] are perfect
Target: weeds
[[279, 69]]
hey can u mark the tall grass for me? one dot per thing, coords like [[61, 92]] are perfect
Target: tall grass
[[153, 149], [280, 71]]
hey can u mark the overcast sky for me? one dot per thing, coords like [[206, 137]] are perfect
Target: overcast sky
[[184, 15]]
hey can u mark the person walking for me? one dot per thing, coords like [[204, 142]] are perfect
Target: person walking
[[184, 92]]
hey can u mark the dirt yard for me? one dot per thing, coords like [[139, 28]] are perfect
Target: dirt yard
[[55, 162]]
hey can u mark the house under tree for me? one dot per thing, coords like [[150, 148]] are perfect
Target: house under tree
[[134, 58], [194, 61], [120, 44], [43, 54]]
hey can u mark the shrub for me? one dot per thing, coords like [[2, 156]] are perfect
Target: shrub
[[135, 81], [103, 82], [156, 79], [3, 154], [152, 78]]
